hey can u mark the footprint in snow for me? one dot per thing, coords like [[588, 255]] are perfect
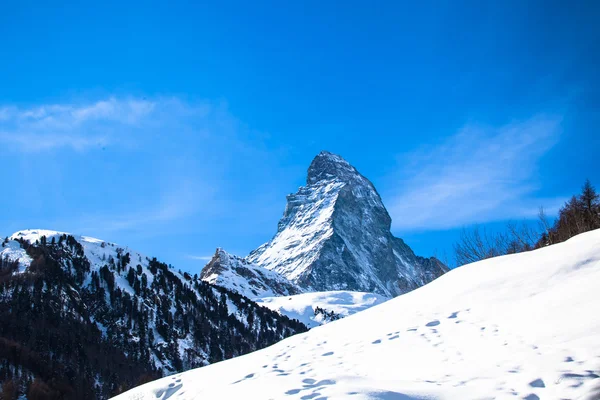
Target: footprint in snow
[[570, 375], [309, 386], [329, 353], [394, 337], [453, 315], [538, 383], [311, 396], [167, 393], [435, 322], [376, 341], [244, 378]]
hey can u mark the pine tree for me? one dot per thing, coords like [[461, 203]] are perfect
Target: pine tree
[[590, 202]]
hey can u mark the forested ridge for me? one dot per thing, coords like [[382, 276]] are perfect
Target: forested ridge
[[73, 329]]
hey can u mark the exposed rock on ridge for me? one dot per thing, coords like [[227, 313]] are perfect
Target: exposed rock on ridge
[[237, 274]]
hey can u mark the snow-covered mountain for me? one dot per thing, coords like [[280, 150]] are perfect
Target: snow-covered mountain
[[523, 326], [252, 281], [335, 235], [91, 318], [319, 308]]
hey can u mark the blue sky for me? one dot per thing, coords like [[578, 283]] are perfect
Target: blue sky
[[176, 128]]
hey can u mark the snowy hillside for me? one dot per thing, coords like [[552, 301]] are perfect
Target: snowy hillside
[[524, 326], [305, 307]]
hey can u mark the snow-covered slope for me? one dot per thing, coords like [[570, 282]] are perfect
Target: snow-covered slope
[[318, 308], [524, 326], [237, 274], [335, 235], [11, 251]]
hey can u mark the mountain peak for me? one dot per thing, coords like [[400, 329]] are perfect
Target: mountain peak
[[326, 166], [335, 235]]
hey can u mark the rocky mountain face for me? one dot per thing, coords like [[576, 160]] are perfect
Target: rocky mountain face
[[84, 319], [239, 275], [335, 235]]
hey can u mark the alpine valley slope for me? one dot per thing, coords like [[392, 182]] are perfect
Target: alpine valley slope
[[522, 326], [334, 235]]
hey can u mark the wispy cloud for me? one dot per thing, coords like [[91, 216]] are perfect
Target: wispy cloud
[[481, 174], [168, 167], [83, 126]]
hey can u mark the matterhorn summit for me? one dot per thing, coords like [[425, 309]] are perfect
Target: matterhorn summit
[[335, 235]]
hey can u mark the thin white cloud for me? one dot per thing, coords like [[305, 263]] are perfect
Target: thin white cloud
[[171, 166], [77, 127], [31, 143], [481, 174]]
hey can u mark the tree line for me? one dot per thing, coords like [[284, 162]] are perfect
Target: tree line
[[581, 213]]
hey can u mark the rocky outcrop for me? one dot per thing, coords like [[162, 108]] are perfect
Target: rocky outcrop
[[237, 274]]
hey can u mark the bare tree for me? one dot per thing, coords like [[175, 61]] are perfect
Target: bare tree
[[475, 245], [580, 214], [522, 237]]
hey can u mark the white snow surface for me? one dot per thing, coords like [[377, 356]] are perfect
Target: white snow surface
[[293, 249], [302, 306], [524, 326], [12, 251]]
